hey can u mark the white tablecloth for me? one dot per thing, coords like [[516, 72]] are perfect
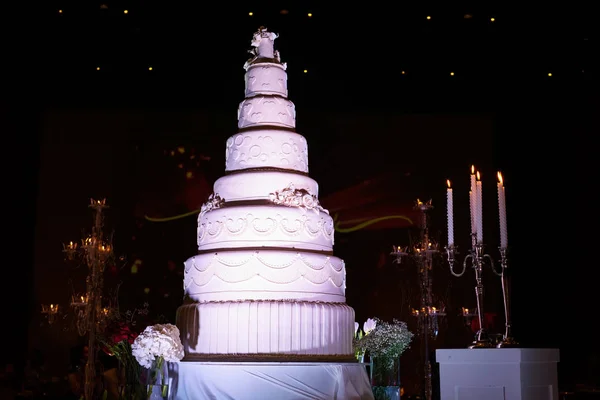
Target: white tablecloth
[[268, 380]]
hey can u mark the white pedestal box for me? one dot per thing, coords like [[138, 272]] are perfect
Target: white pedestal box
[[498, 374], [269, 380]]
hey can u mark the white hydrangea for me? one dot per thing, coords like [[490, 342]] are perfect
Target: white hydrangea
[[160, 340]]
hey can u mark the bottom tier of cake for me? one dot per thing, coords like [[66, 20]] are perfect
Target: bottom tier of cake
[[293, 329]]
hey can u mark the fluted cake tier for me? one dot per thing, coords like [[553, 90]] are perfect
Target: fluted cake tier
[[265, 327], [266, 225], [264, 147], [264, 274]]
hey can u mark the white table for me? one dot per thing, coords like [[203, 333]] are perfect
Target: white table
[[498, 374], [269, 380]]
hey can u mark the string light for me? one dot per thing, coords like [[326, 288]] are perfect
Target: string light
[[402, 72], [310, 15]]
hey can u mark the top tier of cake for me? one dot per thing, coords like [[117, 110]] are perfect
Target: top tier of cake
[[266, 102]]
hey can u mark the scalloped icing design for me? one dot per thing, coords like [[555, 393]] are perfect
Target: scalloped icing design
[[266, 327], [272, 268], [269, 274], [266, 110], [269, 148], [245, 226]]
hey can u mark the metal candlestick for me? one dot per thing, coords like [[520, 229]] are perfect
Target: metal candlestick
[[476, 258], [427, 316], [507, 340]]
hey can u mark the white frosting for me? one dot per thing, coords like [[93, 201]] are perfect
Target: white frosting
[[266, 275], [268, 148], [265, 225], [266, 78], [281, 298], [259, 185], [266, 110], [261, 327]]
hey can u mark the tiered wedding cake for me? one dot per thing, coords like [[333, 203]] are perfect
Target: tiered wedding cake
[[265, 282], [265, 314]]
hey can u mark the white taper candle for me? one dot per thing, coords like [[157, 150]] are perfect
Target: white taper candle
[[502, 209], [479, 207], [472, 201], [450, 206]]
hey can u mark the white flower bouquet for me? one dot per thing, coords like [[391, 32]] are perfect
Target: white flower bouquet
[[384, 340], [157, 344], [368, 326]]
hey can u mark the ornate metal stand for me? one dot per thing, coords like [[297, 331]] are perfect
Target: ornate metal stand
[[507, 340], [476, 258], [96, 252], [428, 316]]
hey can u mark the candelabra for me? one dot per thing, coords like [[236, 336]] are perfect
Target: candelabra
[[478, 258], [428, 316], [50, 312], [96, 252]]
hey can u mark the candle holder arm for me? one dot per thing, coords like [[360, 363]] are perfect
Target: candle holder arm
[[493, 265], [451, 253]]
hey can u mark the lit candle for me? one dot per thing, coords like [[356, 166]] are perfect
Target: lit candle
[[450, 215], [502, 208], [472, 201], [479, 207]]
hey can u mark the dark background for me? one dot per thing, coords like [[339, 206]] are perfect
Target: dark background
[[500, 110]]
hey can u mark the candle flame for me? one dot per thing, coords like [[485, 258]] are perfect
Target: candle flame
[[448, 183], [478, 176], [500, 178], [472, 169]]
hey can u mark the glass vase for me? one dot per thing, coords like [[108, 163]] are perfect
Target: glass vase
[[157, 383], [385, 377]]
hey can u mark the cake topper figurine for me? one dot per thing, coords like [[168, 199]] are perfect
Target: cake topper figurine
[[262, 46]]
